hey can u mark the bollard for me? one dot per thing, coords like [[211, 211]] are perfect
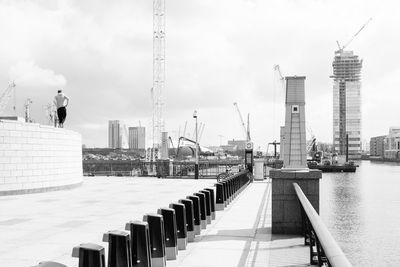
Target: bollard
[[119, 254], [140, 243], [208, 205], [219, 201], [226, 196], [180, 212], [189, 218], [230, 197], [212, 200], [203, 213], [196, 214], [171, 246], [90, 255], [50, 264], [156, 229]]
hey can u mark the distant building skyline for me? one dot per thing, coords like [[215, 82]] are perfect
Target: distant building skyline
[[114, 134], [346, 102], [137, 137], [117, 134]]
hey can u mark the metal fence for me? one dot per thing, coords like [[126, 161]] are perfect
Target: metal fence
[[207, 169], [324, 251]]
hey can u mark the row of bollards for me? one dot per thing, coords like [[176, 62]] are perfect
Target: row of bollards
[[159, 237]]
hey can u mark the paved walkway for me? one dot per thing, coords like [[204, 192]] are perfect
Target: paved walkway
[[241, 236], [46, 226]]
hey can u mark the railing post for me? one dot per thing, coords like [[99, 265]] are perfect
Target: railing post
[[327, 252]]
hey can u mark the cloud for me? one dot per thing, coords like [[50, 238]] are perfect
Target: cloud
[[28, 74], [217, 53]]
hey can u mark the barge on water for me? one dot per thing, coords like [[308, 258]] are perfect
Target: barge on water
[[347, 167]]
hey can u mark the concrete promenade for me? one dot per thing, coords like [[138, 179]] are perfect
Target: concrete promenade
[[46, 226]]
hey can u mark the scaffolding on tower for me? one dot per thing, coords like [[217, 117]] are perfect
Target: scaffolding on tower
[[158, 74]]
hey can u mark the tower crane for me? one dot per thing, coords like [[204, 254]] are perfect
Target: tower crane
[[184, 129], [201, 131], [246, 131], [6, 96], [27, 107], [341, 48]]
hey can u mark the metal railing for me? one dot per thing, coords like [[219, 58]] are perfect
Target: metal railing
[[324, 251]]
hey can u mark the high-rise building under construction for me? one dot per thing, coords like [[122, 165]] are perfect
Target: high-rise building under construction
[[346, 102]]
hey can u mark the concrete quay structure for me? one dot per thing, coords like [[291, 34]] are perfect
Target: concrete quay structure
[[286, 210], [37, 158]]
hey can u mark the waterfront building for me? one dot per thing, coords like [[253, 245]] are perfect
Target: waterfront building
[[137, 138], [392, 143], [377, 146], [346, 102], [114, 134]]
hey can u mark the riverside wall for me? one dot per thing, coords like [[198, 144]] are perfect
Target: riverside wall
[[36, 158]]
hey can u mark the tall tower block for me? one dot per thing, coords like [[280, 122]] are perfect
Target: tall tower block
[[346, 102], [294, 148], [158, 70]]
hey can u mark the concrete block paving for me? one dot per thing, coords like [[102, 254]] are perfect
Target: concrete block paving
[[45, 226]]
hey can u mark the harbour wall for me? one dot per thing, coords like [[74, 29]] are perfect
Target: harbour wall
[[37, 158]]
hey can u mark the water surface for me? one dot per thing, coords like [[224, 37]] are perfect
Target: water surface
[[362, 211]]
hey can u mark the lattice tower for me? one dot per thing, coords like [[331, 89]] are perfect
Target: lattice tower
[[158, 70]]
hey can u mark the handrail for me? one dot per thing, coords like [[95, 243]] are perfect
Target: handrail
[[332, 250]]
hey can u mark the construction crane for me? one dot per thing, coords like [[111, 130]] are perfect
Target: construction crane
[[246, 131], [50, 111], [274, 144], [6, 96], [279, 76], [341, 48], [201, 131], [184, 129], [27, 107]]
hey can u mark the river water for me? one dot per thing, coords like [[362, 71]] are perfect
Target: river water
[[362, 212]]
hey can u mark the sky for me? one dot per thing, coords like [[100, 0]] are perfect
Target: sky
[[217, 53]]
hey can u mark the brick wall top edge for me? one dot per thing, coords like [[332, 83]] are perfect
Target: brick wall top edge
[[43, 128]]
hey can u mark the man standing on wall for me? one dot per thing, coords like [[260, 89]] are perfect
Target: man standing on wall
[[61, 101]]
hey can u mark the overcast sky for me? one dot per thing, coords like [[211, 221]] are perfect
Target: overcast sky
[[217, 52]]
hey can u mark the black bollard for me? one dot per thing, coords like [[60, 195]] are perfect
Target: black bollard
[[208, 205], [196, 213], [50, 264], [90, 255], [171, 245], [119, 254], [226, 193], [181, 224], [189, 218], [156, 228], [203, 213], [219, 198], [140, 243], [212, 198]]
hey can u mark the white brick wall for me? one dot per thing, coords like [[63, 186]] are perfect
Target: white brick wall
[[34, 156]]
